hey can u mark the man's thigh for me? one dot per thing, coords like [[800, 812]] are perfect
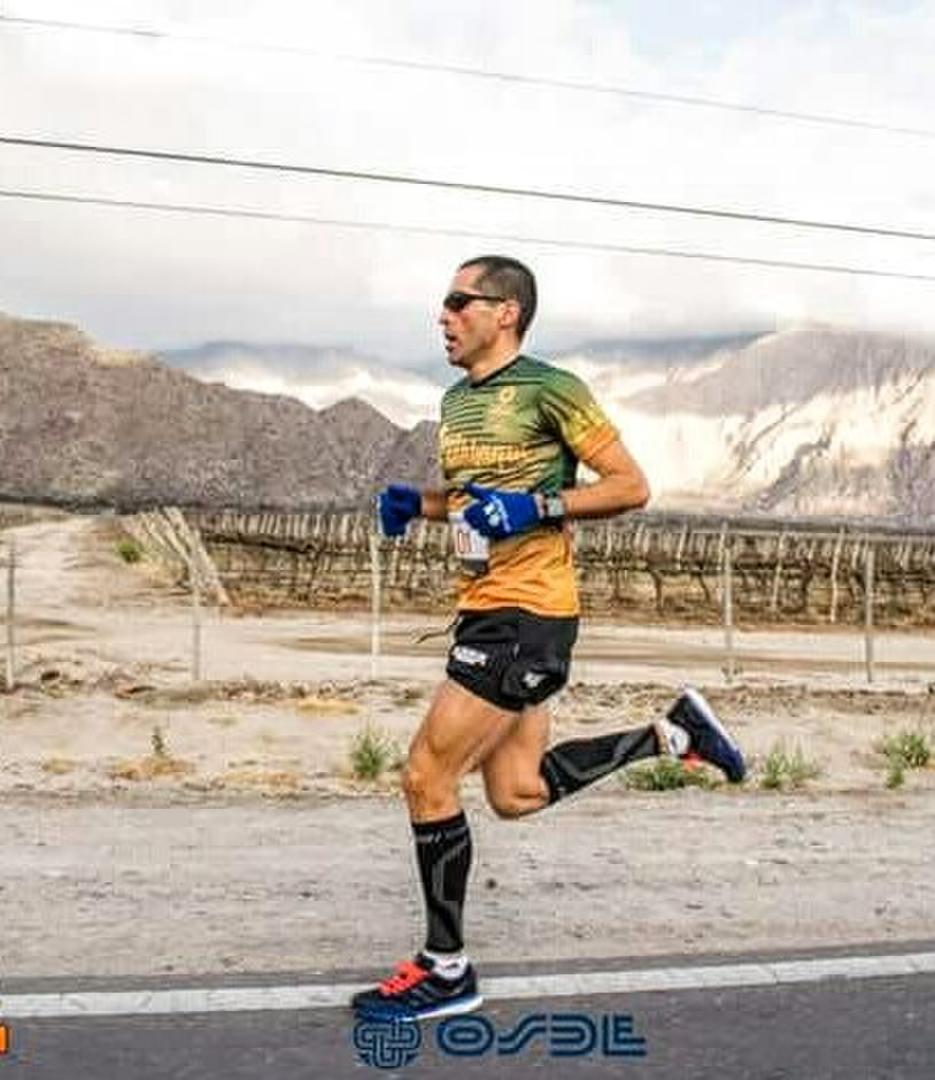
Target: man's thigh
[[459, 731], [511, 769]]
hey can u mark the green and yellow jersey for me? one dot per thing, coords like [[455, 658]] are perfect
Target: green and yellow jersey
[[523, 428]]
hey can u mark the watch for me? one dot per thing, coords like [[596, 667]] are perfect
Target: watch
[[551, 507]]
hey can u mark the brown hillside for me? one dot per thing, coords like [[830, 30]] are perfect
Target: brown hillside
[[85, 426]]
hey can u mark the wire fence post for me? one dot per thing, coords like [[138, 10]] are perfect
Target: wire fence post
[[777, 572], [196, 621], [374, 602], [868, 610], [10, 674], [835, 563], [727, 592]]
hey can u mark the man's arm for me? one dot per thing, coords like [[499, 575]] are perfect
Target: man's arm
[[501, 514], [622, 485]]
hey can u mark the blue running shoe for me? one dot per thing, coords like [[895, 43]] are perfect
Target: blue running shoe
[[706, 735], [416, 992]]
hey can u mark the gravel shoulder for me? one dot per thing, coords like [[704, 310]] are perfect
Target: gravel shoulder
[[150, 825]]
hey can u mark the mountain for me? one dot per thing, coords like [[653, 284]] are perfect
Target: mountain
[[83, 425], [811, 422], [317, 376], [664, 351]]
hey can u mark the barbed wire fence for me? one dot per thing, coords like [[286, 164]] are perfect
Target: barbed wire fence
[[631, 569], [9, 567]]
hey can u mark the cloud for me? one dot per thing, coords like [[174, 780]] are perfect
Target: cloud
[[138, 278], [318, 377]]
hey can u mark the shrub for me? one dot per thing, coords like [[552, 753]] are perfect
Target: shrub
[[913, 749], [665, 774], [372, 753], [130, 550], [160, 763], [158, 741], [782, 769], [907, 749], [895, 774]]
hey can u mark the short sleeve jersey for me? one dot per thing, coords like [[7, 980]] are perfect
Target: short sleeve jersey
[[523, 428]]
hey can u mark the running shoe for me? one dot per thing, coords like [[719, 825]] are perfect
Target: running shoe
[[415, 992], [706, 735]]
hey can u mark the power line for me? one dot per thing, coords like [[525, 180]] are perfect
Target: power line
[[425, 230], [456, 185], [573, 85]]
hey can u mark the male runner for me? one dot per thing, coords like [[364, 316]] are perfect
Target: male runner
[[512, 433]]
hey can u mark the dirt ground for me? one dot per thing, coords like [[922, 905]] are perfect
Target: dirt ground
[[150, 824]]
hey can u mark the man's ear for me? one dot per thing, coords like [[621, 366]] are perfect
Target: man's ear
[[509, 314]]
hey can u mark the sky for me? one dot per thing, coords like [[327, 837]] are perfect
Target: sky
[[296, 82]]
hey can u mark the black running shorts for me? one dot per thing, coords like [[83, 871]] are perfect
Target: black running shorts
[[511, 657]]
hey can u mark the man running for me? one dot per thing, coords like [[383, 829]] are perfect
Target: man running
[[513, 431]]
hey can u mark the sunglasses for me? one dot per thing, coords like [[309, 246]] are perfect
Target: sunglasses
[[458, 301]]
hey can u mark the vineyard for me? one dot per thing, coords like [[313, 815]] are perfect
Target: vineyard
[[640, 567]]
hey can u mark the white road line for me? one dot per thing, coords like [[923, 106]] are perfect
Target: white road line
[[583, 984]]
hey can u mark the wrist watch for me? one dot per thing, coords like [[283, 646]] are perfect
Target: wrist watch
[[551, 507]]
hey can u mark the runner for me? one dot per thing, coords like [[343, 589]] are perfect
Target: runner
[[513, 431]]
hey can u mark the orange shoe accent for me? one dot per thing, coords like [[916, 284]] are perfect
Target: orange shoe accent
[[407, 975], [692, 761]]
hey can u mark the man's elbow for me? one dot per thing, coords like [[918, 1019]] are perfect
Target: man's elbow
[[632, 495], [641, 494], [635, 490]]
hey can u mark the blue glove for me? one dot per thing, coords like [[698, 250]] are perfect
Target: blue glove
[[499, 514], [397, 505]]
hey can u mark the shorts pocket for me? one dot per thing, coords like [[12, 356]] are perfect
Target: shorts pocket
[[533, 679]]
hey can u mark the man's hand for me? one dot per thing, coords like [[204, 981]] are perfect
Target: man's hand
[[397, 505], [499, 514]]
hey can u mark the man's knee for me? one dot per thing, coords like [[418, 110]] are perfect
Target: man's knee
[[508, 807], [512, 803], [424, 781], [414, 780]]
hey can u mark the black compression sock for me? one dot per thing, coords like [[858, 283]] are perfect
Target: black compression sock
[[443, 849], [573, 765]]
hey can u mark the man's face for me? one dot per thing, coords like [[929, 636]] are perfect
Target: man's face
[[472, 332]]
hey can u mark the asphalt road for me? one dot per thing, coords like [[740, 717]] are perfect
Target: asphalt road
[[811, 1027]]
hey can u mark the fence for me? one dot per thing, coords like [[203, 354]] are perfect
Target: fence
[[9, 667], [631, 569], [694, 570]]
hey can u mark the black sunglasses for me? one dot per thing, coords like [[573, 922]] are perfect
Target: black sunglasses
[[458, 301]]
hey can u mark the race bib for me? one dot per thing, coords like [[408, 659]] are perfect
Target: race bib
[[471, 548]]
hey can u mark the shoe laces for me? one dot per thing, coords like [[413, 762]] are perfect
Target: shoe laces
[[407, 975]]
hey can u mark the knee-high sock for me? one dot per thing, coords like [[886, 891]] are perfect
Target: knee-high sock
[[443, 849], [572, 765]]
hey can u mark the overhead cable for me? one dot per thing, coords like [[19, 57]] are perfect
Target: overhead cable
[[458, 185], [424, 230], [466, 71]]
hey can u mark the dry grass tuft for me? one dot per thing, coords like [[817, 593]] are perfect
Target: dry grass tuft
[[318, 705], [149, 768], [273, 780], [222, 721], [58, 766]]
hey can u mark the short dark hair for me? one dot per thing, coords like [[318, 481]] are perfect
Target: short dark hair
[[510, 278]]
